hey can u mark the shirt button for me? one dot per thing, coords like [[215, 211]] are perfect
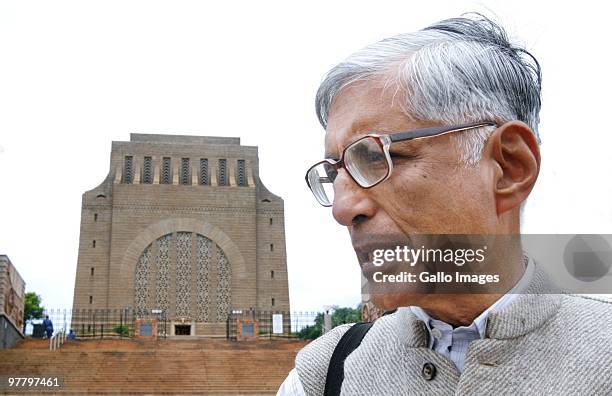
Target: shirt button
[[429, 371], [436, 333]]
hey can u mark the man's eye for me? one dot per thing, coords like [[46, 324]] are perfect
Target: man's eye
[[375, 156], [401, 156], [330, 174]]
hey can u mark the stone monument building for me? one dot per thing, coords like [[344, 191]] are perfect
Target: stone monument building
[[12, 304], [182, 224]]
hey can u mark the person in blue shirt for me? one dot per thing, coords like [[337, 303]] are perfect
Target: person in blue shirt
[[48, 325]]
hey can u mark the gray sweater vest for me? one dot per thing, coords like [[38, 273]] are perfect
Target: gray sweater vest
[[540, 344]]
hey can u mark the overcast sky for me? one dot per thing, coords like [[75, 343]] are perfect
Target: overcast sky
[[74, 76]]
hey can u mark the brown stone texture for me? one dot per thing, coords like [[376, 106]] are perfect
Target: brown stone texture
[[125, 216], [172, 366], [12, 293]]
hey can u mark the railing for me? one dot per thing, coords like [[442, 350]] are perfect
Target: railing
[[269, 324], [57, 340], [123, 323], [105, 323]]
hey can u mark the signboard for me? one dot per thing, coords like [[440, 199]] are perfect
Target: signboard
[[146, 329], [248, 329], [277, 323]]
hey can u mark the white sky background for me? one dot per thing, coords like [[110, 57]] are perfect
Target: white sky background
[[75, 76]]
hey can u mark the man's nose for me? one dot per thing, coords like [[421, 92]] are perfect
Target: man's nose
[[352, 203]]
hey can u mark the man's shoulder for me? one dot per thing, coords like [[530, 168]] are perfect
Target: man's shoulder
[[312, 361], [582, 323], [326, 342], [587, 308], [576, 336], [318, 352]]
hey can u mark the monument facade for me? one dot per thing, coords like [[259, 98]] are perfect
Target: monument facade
[[183, 225]]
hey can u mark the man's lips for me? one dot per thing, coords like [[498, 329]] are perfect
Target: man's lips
[[365, 247]]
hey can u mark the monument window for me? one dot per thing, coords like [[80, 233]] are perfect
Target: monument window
[[128, 169], [92, 271], [163, 271], [204, 171], [223, 172], [147, 174], [241, 178], [91, 299], [166, 174], [183, 273], [223, 285], [272, 301], [141, 286], [185, 179], [270, 220], [271, 247], [177, 272], [95, 217], [93, 243], [271, 274], [204, 264]]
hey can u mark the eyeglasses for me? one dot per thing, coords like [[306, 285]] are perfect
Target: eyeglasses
[[368, 161]]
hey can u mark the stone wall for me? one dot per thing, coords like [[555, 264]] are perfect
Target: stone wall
[[12, 294], [9, 334]]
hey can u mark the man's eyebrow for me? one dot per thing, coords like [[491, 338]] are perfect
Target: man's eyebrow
[[360, 128], [331, 156], [355, 136], [358, 135]]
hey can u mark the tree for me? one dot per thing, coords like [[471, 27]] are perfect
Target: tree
[[346, 315], [309, 332], [33, 308]]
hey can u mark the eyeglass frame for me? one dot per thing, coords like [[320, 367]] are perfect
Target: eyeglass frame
[[385, 140]]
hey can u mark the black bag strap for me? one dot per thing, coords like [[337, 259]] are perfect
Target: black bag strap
[[347, 344]]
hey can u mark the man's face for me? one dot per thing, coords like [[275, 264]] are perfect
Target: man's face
[[429, 192]]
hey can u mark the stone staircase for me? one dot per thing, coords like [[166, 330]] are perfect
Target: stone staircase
[[172, 366]]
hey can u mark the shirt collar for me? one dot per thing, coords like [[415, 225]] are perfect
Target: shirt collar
[[479, 325]]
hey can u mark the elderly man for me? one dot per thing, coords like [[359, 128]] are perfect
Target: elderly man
[[436, 133]]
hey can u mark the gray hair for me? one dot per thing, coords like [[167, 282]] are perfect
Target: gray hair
[[455, 71]]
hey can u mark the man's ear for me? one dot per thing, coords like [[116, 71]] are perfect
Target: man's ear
[[513, 150]]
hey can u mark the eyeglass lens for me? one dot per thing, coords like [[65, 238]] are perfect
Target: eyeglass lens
[[366, 162]]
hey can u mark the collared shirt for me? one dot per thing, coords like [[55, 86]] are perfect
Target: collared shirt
[[443, 338], [454, 342]]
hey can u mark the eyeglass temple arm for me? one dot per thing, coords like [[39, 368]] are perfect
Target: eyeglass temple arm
[[432, 131]]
